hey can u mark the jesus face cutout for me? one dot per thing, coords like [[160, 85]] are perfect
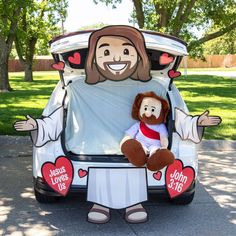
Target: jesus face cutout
[[116, 57], [150, 110]]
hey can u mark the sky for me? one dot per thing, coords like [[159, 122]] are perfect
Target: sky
[[86, 12]]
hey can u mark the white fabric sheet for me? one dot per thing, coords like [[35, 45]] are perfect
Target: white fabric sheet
[[117, 187], [99, 114]]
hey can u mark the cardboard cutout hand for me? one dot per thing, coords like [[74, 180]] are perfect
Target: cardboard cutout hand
[[206, 120], [26, 125]]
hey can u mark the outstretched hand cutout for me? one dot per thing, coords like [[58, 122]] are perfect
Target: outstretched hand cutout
[[206, 120], [26, 125]]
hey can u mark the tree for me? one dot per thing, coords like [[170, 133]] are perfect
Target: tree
[[223, 45], [38, 23], [184, 18], [9, 15]]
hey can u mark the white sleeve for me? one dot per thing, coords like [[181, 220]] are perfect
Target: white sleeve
[[133, 130], [48, 128], [186, 126]]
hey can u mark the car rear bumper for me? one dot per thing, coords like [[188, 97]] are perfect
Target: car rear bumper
[[43, 188]]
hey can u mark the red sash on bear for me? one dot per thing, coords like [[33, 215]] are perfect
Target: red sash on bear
[[149, 133]]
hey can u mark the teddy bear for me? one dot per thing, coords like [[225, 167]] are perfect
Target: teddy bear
[[146, 141]]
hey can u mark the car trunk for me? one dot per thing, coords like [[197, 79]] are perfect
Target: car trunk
[[97, 116]]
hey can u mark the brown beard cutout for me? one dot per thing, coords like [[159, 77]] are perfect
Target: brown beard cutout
[[118, 76]]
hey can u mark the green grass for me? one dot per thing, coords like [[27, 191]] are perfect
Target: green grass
[[27, 98], [216, 94], [200, 92]]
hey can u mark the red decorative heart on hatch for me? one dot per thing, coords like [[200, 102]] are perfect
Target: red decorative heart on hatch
[[59, 175], [178, 179], [82, 173], [174, 74], [157, 175], [59, 66], [75, 59], [165, 59]]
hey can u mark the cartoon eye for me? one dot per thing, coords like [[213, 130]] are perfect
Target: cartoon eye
[[153, 109], [126, 51], [145, 109], [106, 52]]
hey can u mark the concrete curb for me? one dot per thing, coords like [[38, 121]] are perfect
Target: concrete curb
[[206, 145], [217, 145], [17, 140]]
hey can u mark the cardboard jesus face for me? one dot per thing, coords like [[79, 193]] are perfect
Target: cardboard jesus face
[[116, 57], [150, 110]]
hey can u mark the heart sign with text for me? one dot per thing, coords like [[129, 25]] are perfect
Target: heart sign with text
[[178, 178], [59, 175]]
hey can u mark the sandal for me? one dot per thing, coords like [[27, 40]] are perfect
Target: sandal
[[98, 216], [135, 216]]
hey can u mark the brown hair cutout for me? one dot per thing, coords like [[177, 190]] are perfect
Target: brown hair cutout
[[142, 71]]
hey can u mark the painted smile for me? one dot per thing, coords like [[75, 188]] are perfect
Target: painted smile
[[117, 67]]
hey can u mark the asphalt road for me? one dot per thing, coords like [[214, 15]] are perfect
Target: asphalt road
[[212, 212]]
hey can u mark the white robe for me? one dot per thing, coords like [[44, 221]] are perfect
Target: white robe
[[117, 187]]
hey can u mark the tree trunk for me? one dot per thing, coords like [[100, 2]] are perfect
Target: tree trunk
[[4, 79], [29, 59], [139, 13], [28, 71]]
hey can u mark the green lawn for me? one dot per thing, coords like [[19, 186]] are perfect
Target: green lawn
[[199, 91], [27, 98], [217, 94]]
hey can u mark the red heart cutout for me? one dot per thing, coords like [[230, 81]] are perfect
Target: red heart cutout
[[75, 59], [157, 175], [82, 173], [59, 66], [165, 59], [178, 179], [59, 175], [173, 74]]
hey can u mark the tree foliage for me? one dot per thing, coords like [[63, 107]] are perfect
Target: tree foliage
[[223, 45], [37, 24], [9, 14], [185, 18]]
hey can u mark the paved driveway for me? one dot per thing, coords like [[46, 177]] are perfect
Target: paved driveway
[[213, 211]]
